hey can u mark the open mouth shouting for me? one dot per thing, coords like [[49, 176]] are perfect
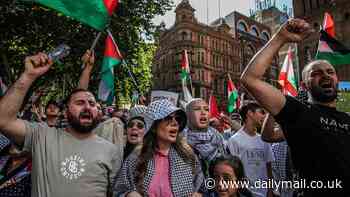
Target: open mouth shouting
[[85, 117], [203, 120], [173, 133]]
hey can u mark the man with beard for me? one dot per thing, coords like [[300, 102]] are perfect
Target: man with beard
[[70, 162], [111, 129], [316, 132]]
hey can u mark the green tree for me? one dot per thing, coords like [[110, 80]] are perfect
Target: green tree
[[27, 28]]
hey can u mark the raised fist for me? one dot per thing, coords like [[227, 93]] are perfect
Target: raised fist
[[295, 30], [37, 65]]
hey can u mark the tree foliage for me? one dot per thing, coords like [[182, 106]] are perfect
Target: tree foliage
[[27, 28]]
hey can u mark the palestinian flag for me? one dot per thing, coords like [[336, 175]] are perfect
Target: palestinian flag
[[185, 68], [95, 13], [332, 50], [286, 78], [3, 88], [328, 24], [213, 107], [232, 95], [112, 57]]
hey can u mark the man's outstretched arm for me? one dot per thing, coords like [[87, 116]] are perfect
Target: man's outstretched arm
[[11, 103], [294, 30]]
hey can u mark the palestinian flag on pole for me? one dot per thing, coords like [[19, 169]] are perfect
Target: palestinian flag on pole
[[332, 50], [3, 87], [232, 95], [286, 78], [95, 13], [329, 48], [185, 68], [112, 57]]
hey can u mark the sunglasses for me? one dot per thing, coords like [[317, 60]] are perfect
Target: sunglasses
[[171, 118], [260, 111], [139, 125]]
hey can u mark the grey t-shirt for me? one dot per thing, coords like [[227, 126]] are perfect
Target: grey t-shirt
[[66, 166]]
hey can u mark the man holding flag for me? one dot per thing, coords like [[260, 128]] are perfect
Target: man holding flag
[[317, 133]]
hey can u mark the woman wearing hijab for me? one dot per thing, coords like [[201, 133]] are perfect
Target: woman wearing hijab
[[206, 141], [166, 165]]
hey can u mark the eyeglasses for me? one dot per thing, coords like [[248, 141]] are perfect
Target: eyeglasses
[[139, 125], [260, 111], [170, 118]]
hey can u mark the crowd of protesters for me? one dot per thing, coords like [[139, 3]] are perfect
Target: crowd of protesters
[[77, 148]]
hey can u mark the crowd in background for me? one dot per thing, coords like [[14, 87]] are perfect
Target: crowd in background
[[80, 148]]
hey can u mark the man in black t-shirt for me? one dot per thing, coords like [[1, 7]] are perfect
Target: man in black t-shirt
[[318, 134]]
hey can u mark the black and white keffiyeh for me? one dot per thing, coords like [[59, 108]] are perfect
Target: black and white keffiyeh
[[209, 144]]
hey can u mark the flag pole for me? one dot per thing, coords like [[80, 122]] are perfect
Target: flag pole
[[191, 83], [93, 45], [189, 74], [95, 41], [124, 65]]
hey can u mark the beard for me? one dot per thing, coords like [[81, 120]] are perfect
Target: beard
[[74, 122], [321, 95]]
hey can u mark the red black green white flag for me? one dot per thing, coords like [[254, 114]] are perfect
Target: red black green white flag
[[332, 50], [95, 13], [112, 57], [232, 94], [329, 48], [185, 68]]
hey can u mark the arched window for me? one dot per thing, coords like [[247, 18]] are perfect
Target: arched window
[[265, 36], [184, 35], [249, 50], [242, 26], [254, 31]]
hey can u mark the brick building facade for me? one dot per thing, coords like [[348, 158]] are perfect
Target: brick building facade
[[224, 47]]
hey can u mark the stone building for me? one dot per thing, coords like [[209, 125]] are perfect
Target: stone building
[[313, 12], [216, 50]]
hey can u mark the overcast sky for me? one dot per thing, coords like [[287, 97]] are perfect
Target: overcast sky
[[227, 6]]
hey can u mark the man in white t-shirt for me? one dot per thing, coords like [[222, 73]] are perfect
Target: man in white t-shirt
[[256, 155]]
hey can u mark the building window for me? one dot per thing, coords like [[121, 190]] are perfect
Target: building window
[[265, 36], [202, 57], [310, 1], [216, 85], [242, 26], [184, 36], [197, 92], [202, 75], [254, 32]]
